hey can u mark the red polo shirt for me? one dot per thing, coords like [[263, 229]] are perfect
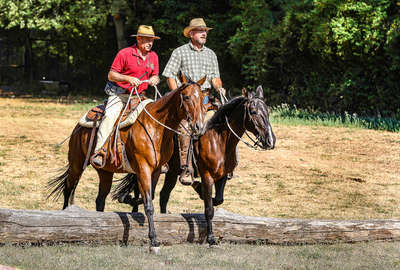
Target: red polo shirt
[[128, 62]]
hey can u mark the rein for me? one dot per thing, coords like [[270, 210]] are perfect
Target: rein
[[240, 139], [158, 122]]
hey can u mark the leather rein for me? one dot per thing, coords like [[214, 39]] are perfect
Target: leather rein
[[189, 119]]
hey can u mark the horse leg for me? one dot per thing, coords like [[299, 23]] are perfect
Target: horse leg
[[136, 193], [169, 182], [104, 188], [219, 191], [154, 180], [197, 187], [146, 187], [207, 185], [66, 184]]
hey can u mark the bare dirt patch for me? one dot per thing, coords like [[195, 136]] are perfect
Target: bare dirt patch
[[314, 172]]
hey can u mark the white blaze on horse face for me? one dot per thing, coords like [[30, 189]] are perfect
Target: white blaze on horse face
[[196, 93]]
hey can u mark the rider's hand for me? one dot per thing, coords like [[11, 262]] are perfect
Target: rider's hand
[[154, 80], [222, 90], [134, 81]]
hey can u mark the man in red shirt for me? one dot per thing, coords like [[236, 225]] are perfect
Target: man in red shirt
[[130, 66]]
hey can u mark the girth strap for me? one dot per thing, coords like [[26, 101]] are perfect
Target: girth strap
[[89, 150]]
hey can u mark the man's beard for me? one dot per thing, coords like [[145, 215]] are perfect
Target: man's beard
[[201, 41]]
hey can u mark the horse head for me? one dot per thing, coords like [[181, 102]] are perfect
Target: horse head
[[257, 118], [192, 103]]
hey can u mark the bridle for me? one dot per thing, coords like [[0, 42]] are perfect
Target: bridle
[[256, 143], [184, 106]]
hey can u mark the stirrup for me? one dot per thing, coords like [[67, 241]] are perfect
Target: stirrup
[[164, 168], [186, 178], [98, 160]]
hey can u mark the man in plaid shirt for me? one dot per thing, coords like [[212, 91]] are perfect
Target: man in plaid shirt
[[195, 61]]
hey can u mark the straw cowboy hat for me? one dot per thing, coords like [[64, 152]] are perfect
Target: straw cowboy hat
[[195, 23], [145, 31]]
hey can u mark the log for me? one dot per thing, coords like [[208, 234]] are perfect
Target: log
[[77, 225]]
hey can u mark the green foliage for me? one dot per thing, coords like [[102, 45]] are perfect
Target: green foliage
[[61, 31], [58, 15], [328, 55], [336, 55]]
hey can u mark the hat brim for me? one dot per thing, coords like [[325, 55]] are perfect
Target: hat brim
[[190, 28], [144, 35]]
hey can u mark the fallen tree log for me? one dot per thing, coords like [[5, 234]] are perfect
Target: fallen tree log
[[77, 225]]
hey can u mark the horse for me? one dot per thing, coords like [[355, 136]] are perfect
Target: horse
[[148, 143], [215, 153]]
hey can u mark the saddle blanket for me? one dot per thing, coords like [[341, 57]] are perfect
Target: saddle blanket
[[129, 120]]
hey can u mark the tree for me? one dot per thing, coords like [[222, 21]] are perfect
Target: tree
[[72, 21], [336, 55]]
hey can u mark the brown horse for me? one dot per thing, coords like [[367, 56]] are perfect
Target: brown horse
[[215, 153], [148, 146]]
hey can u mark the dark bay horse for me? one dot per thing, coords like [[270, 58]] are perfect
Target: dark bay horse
[[215, 152], [148, 146]]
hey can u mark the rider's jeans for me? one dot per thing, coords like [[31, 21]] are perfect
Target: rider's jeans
[[115, 104]]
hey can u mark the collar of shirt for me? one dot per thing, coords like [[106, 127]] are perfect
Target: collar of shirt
[[136, 52], [194, 49]]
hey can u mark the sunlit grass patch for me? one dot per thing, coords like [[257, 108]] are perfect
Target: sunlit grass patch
[[287, 114], [311, 168]]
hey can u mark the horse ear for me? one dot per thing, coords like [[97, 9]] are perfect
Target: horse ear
[[260, 92], [244, 92], [182, 78], [250, 95], [201, 81]]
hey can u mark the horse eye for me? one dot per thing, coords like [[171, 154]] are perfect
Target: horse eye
[[186, 98], [253, 111]]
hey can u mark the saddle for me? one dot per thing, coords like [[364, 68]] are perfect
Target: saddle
[[97, 113], [113, 151]]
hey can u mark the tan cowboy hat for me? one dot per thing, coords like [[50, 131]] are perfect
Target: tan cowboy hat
[[145, 31], [195, 23]]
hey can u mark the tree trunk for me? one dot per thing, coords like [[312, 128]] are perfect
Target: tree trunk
[[75, 224], [28, 70], [120, 31]]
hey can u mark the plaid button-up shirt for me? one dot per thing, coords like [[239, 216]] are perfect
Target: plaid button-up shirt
[[193, 64]]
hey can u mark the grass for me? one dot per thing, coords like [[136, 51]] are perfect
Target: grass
[[286, 114], [228, 256], [315, 171]]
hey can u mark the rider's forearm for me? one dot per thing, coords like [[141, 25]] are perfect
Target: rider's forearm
[[172, 83], [216, 83], [117, 77]]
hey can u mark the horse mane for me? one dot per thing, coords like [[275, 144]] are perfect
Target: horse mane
[[225, 110], [167, 97]]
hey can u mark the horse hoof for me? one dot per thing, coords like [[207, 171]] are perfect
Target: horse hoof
[[213, 246], [155, 250]]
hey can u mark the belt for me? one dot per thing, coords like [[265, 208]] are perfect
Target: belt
[[141, 95], [207, 90], [116, 87]]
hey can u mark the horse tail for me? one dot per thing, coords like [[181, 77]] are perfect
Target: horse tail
[[126, 186], [58, 183]]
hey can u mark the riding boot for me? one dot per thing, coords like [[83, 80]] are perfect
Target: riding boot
[[185, 156]]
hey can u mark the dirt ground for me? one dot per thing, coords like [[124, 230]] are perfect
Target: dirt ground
[[314, 172]]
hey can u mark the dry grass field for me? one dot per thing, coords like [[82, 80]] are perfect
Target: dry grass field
[[314, 172]]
